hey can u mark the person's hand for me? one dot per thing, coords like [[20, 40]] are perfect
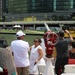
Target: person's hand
[[67, 31], [36, 62]]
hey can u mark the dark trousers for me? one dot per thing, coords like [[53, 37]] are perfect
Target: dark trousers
[[59, 65]]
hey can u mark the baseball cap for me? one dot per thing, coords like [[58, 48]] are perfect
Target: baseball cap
[[20, 33]]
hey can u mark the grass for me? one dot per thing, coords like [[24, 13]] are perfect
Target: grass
[[11, 37], [26, 31], [29, 38]]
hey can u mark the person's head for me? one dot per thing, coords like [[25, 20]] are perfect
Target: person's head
[[73, 44], [20, 35], [61, 33], [37, 41]]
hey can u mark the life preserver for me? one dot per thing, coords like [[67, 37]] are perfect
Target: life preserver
[[50, 39]]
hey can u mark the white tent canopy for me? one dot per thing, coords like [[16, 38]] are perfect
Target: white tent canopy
[[17, 26]]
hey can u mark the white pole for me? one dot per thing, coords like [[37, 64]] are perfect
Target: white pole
[[49, 69], [46, 26], [61, 25]]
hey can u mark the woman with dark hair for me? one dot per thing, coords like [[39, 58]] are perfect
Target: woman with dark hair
[[36, 57]]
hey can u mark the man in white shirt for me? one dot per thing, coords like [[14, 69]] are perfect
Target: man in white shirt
[[20, 50]]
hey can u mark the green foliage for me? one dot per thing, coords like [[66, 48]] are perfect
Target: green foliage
[[73, 18], [0, 19]]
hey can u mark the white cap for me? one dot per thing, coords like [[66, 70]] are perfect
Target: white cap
[[20, 33]]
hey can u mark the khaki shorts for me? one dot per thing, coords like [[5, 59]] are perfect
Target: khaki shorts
[[23, 70]]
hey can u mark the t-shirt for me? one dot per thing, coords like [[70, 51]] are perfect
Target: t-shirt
[[62, 48], [20, 50]]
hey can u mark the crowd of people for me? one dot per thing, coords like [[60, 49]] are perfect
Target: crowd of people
[[28, 58], [28, 64]]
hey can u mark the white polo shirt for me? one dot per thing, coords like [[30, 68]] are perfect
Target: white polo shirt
[[20, 49]]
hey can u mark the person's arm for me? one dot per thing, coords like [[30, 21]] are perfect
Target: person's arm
[[40, 55], [70, 36], [30, 48]]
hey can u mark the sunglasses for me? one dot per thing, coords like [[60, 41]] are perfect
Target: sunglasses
[[35, 41]]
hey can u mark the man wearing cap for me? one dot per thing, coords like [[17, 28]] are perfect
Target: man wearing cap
[[20, 50], [62, 52]]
